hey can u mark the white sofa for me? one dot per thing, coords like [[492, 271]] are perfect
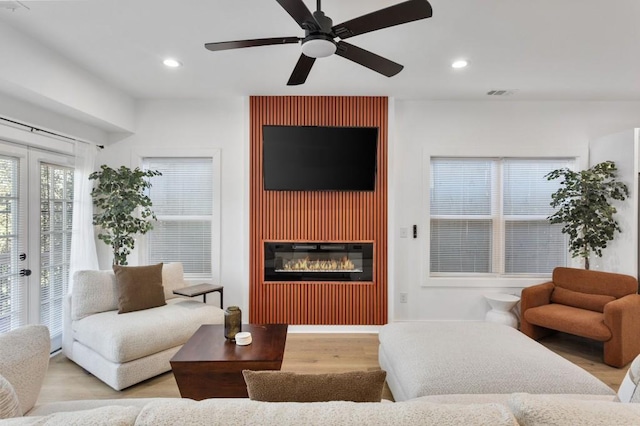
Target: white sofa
[[125, 349], [24, 361]]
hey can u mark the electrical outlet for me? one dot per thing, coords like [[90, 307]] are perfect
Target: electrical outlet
[[403, 297]]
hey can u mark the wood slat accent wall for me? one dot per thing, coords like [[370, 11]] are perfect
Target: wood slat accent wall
[[318, 216]]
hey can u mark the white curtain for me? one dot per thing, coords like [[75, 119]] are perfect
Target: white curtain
[[83, 246]]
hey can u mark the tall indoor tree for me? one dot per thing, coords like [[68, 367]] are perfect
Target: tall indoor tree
[[584, 207], [124, 209]]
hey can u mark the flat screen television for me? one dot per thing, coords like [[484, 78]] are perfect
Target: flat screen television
[[316, 158]]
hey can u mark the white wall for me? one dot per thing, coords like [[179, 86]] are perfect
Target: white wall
[[26, 113], [37, 74], [621, 254], [189, 126], [502, 129], [419, 129]]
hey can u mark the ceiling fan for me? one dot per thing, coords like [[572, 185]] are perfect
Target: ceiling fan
[[320, 34]]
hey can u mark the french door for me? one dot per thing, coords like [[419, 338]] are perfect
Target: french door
[[36, 207]]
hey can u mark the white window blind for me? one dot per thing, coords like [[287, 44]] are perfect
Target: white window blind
[[56, 218], [531, 244], [461, 215], [13, 297], [488, 216], [183, 203]]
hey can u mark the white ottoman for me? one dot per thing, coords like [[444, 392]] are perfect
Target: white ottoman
[[440, 358]]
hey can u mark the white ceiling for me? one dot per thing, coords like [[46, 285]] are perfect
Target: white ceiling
[[542, 49]]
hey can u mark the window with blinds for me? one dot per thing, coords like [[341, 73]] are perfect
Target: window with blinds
[[183, 203], [489, 216]]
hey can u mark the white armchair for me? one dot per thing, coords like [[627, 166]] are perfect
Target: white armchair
[[125, 349]]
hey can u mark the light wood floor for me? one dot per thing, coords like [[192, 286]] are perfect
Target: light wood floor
[[305, 353]]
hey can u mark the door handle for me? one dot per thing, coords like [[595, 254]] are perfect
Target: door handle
[[25, 272]]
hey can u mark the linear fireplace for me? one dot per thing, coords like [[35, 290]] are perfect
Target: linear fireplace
[[318, 261]]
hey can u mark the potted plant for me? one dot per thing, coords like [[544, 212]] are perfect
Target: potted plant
[[118, 194], [585, 209]]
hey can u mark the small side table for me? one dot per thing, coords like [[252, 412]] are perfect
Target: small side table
[[201, 290], [501, 305]]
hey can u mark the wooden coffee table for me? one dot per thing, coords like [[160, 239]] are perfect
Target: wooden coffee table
[[210, 366]]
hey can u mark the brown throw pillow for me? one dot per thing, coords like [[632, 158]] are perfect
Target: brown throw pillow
[[139, 287], [280, 386], [591, 302]]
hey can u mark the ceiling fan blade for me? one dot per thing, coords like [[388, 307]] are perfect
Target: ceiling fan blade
[[300, 13], [401, 13], [226, 45], [301, 71], [370, 60]]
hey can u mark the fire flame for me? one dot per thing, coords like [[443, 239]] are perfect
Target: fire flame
[[306, 264]]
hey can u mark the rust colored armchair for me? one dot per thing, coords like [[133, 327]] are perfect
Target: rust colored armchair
[[597, 305]]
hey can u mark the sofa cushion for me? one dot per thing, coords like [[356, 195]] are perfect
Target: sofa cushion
[[577, 299], [139, 287], [570, 320], [595, 282], [93, 292], [172, 278], [109, 415], [503, 398], [186, 412], [545, 410], [89, 404], [283, 386], [125, 337], [9, 404]]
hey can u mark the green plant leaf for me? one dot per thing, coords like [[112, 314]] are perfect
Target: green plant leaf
[[123, 208], [584, 207]]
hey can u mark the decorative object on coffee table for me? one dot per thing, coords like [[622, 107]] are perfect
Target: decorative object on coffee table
[[210, 366], [232, 322], [243, 338]]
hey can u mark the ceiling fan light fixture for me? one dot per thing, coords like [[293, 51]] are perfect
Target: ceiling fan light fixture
[[318, 46]]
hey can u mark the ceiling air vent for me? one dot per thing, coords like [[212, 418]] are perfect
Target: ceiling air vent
[[501, 92]]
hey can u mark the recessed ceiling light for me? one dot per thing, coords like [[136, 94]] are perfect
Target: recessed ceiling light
[[459, 64], [172, 63]]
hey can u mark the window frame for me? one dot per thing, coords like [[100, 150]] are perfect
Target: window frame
[[498, 277], [214, 154]]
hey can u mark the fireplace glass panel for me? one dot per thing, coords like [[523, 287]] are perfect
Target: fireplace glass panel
[[316, 261]]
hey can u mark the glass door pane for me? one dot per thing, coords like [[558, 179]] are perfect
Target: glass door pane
[[56, 212], [13, 284]]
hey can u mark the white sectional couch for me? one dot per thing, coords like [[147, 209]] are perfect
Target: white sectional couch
[[26, 350], [125, 349]]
